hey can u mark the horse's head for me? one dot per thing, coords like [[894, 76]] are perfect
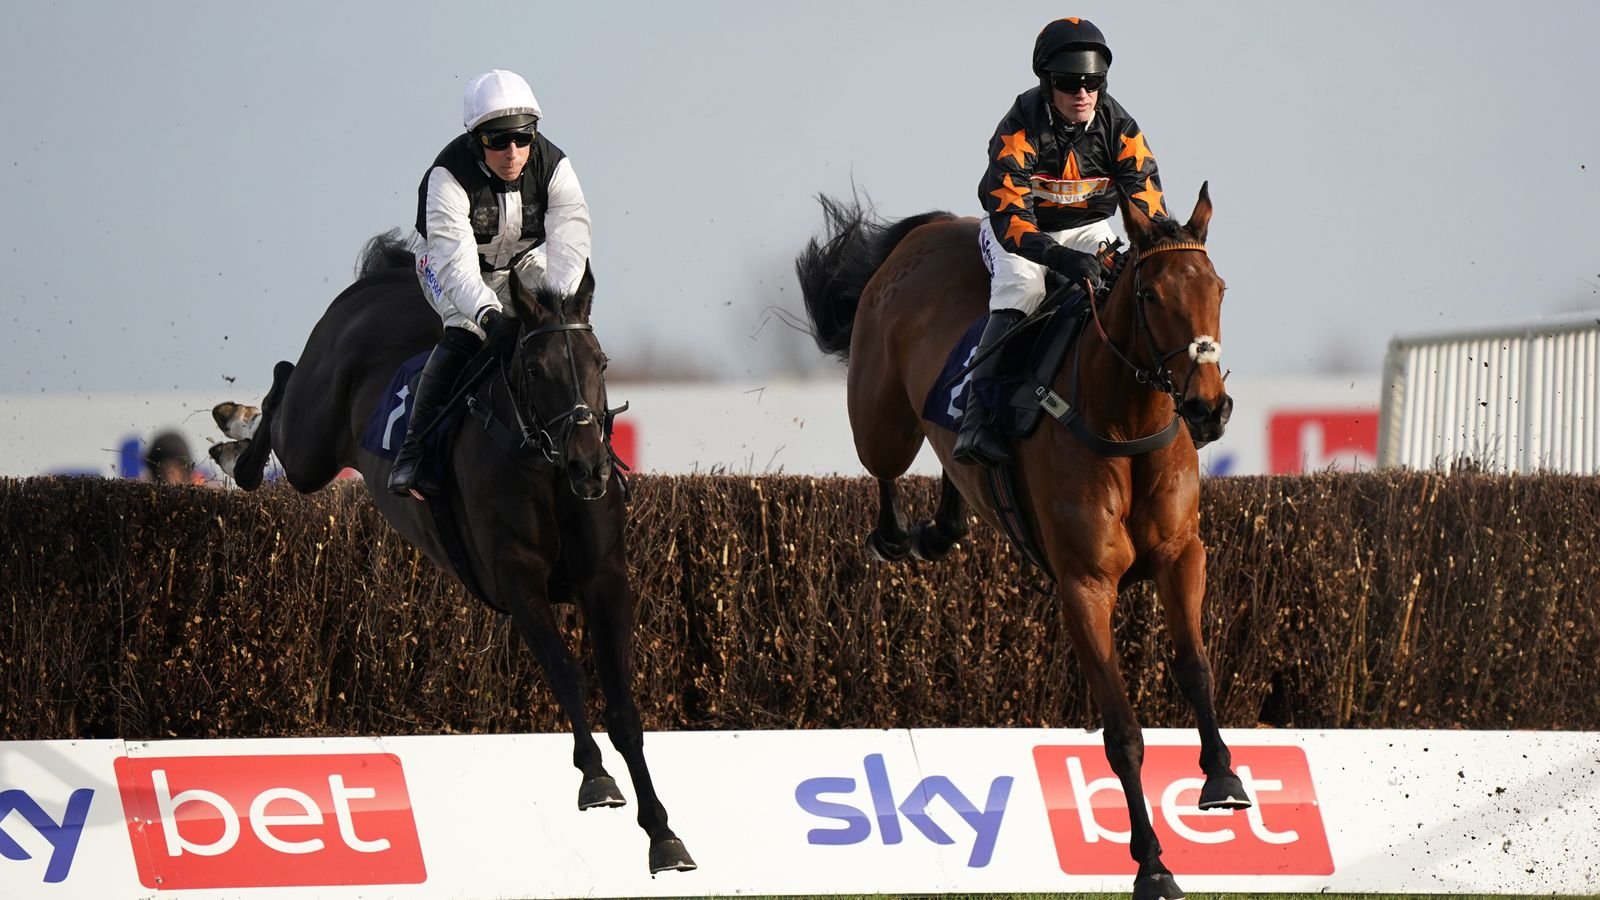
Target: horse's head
[[1177, 302], [559, 386]]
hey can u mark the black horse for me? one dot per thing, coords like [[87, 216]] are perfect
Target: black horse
[[537, 524]]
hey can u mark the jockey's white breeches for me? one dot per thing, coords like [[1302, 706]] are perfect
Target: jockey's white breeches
[[1016, 283]]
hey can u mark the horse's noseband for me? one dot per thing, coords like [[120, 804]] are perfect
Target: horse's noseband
[[550, 436], [1203, 349]]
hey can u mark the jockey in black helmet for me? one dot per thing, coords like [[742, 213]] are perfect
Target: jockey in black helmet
[[499, 202], [1058, 161]]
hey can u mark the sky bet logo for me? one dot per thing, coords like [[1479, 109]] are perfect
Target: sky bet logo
[[19, 811], [270, 821], [1282, 834], [887, 810]]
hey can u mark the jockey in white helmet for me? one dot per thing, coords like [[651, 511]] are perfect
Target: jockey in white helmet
[[500, 202]]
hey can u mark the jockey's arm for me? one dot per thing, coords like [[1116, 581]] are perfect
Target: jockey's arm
[[1137, 176], [1006, 191], [451, 248], [566, 229]]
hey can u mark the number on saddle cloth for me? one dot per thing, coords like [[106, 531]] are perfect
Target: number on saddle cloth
[[386, 427], [1035, 352]]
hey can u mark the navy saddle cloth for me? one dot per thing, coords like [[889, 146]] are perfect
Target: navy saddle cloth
[[1030, 357]]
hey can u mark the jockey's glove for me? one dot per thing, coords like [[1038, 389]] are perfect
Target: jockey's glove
[[1077, 266], [500, 331]]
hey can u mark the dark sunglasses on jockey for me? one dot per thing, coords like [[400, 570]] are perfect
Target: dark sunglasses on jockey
[[500, 140], [1069, 84]]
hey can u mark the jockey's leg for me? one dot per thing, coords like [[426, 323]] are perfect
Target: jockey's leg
[[455, 350], [1016, 287]]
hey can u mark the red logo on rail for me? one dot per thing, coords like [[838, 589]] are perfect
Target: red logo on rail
[[1312, 440], [1282, 834], [270, 821]]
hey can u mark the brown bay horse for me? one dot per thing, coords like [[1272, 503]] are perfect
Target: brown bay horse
[[893, 299], [537, 525]]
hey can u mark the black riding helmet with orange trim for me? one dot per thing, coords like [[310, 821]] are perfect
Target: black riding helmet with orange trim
[[1070, 46]]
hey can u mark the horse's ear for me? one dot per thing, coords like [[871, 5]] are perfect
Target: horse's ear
[[583, 298], [1137, 223], [523, 301], [1200, 219]]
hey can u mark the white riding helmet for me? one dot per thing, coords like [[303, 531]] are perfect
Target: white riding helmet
[[497, 94]]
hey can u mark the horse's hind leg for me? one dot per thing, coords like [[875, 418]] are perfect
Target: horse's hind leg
[[1181, 586], [887, 440], [609, 612], [932, 540], [890, 541]]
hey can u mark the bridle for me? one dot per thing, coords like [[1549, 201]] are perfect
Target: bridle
[[550, 435], [1203, 349]]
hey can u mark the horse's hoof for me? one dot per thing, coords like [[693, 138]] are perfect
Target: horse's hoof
[[236, 420], [226, 456], [885, 551], [1157, 886], [928, 543], [600, 790], [669, 855], [1224, 792]]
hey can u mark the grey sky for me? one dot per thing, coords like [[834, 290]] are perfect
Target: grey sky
[[186, 185]]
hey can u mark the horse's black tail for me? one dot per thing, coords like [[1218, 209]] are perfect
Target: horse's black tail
[[835, 269], [384, 252]]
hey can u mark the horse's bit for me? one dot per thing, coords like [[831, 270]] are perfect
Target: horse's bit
[[1203, 349], [541, 433]]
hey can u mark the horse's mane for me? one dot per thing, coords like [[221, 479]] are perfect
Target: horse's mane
[[383, 253], [1165, 230]]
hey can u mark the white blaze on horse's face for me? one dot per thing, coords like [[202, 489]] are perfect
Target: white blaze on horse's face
[[1205, 349]]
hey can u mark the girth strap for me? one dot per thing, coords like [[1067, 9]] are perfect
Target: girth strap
[[1067, 414], [1003, 495]]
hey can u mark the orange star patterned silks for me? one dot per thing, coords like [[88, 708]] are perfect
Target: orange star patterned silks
[[1151, 197], [1069, 184], [1134, 148], [1019, 227], [1016, 145], [1009, 195]]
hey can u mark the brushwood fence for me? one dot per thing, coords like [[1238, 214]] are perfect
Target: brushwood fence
[[1337, 600]]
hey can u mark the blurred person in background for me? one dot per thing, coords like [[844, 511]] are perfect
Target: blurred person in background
[[167, 460]]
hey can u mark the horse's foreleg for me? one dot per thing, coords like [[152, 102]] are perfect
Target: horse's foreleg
[[253, 462], [1182, 586], [889, 541], [932, 540], [1087, 607], [536, 622], [608, 608], [245, 458]]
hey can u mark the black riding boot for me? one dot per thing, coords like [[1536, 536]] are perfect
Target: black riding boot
[[433, 391], [979, 443]]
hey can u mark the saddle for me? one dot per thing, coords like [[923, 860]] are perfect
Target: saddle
[[1032, 355], [468, 404]]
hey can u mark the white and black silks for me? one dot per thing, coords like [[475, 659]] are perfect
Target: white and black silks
[[477, 231]]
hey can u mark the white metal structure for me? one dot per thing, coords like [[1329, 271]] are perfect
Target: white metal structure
[[1512, 399]]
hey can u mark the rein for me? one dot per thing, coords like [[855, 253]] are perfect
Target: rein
[[1157, 376], [541, 434]]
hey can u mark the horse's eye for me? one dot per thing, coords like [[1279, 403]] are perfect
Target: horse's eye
[[1148, 296]]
